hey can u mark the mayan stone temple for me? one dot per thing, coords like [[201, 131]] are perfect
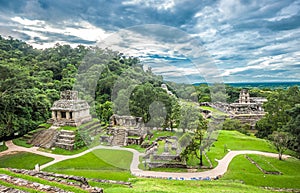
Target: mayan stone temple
[[69, 110]]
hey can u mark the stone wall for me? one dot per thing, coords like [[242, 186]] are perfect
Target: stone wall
[[166, 157]]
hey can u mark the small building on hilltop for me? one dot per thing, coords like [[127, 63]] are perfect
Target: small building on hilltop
[[69, 110]]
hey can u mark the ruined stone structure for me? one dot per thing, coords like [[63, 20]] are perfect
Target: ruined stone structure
[[69, 110], [244, 96], [126, 121], [164, 86], [53, 137], [247, 109], [124, 130]]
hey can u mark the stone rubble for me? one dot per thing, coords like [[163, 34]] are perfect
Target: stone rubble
[[28, 184], [80, 182], [10, 190]]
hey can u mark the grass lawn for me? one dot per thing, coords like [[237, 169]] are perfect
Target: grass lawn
[[235, 140], [23, 160], [61, 151], [174, 186], [3, 147], [241, 169], [21, 142], [263, 163], [103, 164]]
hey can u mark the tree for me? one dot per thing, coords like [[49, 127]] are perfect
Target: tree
[[104, 111], [293, 127], [280, 141], [277, 117], [198, 143], [190, 116]]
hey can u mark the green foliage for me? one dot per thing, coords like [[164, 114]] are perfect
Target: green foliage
[[104, 111], [185, 139], [280, 141], [279, 102], [3, 147], [190, 116], [293, 127], [82, 139], [29, 160], [197, 144], [281, 115], [233, 124]]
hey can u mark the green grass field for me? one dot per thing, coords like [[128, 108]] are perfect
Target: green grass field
[[235, 140], [241, 169], [23, 160], [175, 186], [103, 164], [263, 163]]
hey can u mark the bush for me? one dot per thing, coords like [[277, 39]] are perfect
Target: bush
[[81, 140]]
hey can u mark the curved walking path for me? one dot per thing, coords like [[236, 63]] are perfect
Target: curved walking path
[[217, 171]]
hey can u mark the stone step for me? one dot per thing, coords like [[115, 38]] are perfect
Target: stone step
[[65, 141], [64, 146], [66, 132], [66, 136]]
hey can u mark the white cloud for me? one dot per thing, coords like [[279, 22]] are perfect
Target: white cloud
[[28, 22], [82, 29], [157, 4]]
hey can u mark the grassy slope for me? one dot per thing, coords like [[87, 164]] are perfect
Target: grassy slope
[[174, 186], [21, 142], [235, 140], [241, 169], [103, 164], [23, 160], [213, 110]]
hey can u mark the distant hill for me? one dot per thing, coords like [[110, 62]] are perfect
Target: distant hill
[[271, 85]]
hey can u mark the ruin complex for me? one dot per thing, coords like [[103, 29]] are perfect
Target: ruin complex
[[69, 110], [247, 109], [125, 130]]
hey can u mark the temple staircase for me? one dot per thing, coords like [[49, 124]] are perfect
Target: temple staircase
[[65, 139], [45, 138]]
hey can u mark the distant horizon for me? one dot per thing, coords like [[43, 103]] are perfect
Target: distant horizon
[[260, 82]]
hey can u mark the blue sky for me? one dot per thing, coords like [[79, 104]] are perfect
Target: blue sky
[[243, 40]]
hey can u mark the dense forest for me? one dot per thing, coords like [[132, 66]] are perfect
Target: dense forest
[[31, 80]]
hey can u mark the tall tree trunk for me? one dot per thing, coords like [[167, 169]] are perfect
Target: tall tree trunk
[[201, 157]]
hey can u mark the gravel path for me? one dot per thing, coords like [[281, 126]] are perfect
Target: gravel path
[[217, 171]]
